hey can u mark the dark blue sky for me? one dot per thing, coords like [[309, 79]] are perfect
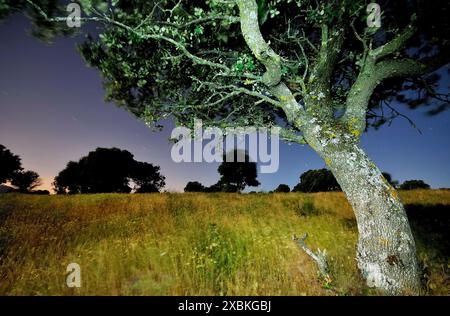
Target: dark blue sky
[[52, 111]]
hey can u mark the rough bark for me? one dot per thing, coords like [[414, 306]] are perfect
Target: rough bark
[[386, 252]]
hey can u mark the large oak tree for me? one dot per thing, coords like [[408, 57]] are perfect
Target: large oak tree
[[314, 68]]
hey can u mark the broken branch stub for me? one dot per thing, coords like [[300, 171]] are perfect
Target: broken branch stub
[[320, 257]]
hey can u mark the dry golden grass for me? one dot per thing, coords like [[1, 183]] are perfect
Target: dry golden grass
[[189, 244]]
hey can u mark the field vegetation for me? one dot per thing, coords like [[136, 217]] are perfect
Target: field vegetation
[[201, 244]]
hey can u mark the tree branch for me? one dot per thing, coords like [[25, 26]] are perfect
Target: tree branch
[[234, 91], [394, 45], [373, 73], [332, 39], [229, 18], [106, 19], [253, 37], [291, 136], [320, 258], [368, 79], [248, 11]]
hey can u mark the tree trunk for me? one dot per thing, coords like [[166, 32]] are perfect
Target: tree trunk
[[386, 252]]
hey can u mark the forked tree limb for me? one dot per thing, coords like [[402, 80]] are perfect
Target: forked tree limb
[[320, 258]]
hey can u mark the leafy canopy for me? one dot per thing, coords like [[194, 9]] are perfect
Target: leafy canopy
[[194, 186], [320, 180], [206, 59], [414, 184], [189, 59], [236, 175], [11, 170], [9, 164], [283, 188], [26, 181], [108, 170]]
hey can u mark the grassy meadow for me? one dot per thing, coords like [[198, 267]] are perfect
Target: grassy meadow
[[201, 244]]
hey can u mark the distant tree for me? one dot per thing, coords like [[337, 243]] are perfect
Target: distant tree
[[26, 181], [389, 179], [320, 180], [9, 164], [414, 184], [217, 187], [102, 170], [194, 186], [69, 180], [235, 176], [283, 188], [108, 170], [147, 178]]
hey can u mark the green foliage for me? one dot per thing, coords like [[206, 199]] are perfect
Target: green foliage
[[244, 63], [91, 6], [155, 78], [188, 59]]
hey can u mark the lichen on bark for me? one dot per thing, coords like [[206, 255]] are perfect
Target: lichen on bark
[[386, 252]]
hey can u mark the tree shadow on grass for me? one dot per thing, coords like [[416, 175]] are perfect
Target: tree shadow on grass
[[431, 226]]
